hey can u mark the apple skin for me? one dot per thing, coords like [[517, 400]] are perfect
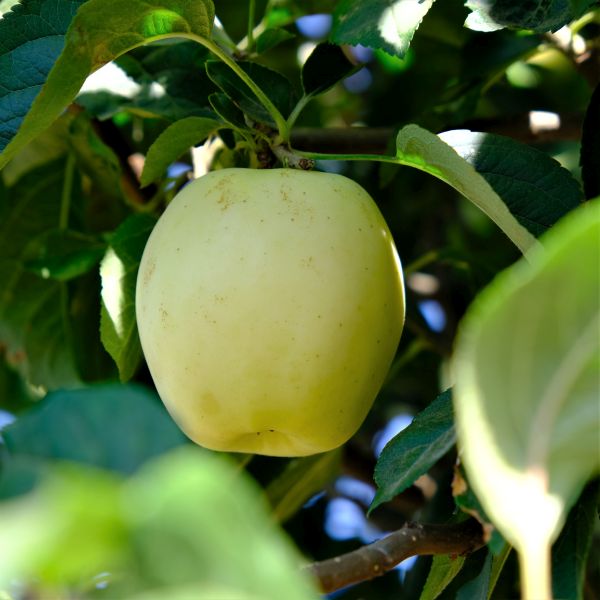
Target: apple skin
[[270, 305]]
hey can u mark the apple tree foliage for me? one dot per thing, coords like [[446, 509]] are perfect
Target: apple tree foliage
[[476, 127]]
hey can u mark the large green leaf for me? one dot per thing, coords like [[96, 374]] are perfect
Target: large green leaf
[[384, 24], [34, 312], [177, 71], [415, 450], [527, 389], [280, 90], [188, 525], [536, 188], [538, 15], [424, 150], [32, 33], [173, 142], [477, 588], [113, 427], [118, 325], [101, 31]]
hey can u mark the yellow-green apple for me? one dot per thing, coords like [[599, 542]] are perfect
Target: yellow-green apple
[[269, 305]]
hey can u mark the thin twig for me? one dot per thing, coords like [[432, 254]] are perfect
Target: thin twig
[[383, 555]]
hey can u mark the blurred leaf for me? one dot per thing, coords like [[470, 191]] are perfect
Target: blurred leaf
[[413, 451], [527, 388], [113, 427], [536, 188], [173, 142], [428, 152], [301, 479], [66, 531], [326, 65], [590, 147], [63, 254], [571, 550], [383, 24], [101, 31], [444, 568], [538, 15], [477, 589], [278, 88], [227, 110], [187, 526], [34, 312], [118, 326], [270, 38], [32, 33], [19, 475]]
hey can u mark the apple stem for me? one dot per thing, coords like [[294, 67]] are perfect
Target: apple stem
[[292, 159]]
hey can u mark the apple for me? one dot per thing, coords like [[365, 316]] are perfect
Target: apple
[[270, 305]]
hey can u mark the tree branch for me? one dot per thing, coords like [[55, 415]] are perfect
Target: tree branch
[[379, 140], [383, 555]]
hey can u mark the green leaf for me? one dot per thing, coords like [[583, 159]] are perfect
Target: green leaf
[[571, 550], [326, 65], [188, 525], [279, 89], [538, 15], [272, 37], [477, 588], [114, 427], [227, 110], [526, 393], [101, 31], [174, 141], [415, 450], [387, 25], [428, 152], [590, 147], [32, 33], [118, 326], [34, 312], [498, 562], [301, 479], [177, 70], [444, 568], [536, 188], [63, 254]]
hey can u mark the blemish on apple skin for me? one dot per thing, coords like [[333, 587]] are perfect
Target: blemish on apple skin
[[149, 272]]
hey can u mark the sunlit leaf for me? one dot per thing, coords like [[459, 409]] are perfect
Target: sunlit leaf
[[444, 569], [538, 15], [426, 151], [527, 388], [101, 31], [384, 24], [118, 326], [188, 525], [536, 188]]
